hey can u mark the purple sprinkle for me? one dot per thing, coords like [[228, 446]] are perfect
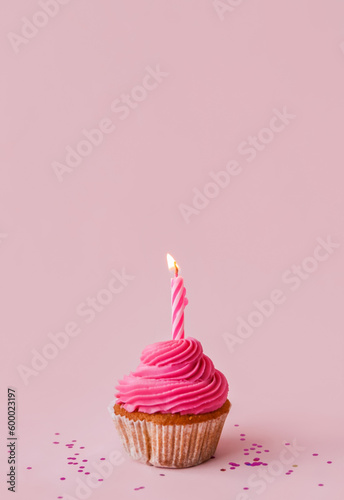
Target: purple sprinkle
[[242, 434], [82, 447], [329, 462], [85, 460], [75, 463], [267, 451], [29, 467], [254, 444], [287, 473], [100, 479], [62, 478], [287, 444], [252, 448], [320, 484], [139, 488], [81, 467], [246, 453], [258, 451], [161, 474], [70, 463], [245, 449], [315, 454], [236, 425], [87, 473], [247, 463], [71, 458], [74, 441], [59, 497], [102, 459], [76, 453], [245, 488], [56, 442], [242, 439], [265, 464], [232, 468], [259, 446], [80, 470]]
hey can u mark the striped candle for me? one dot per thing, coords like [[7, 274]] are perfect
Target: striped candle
[[178, 300]]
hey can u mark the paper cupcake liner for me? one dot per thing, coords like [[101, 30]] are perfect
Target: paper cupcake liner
[[172, 446]]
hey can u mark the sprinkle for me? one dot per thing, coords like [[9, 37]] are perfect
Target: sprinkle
[[236, 425], [242, 434], [259, 446], [102, 459], [85, 460], [320, 484], [59, 497], [245, 488], [242, 439], [139, 488], [287, 444], [267, 451], [86, 473], [29, 467], [100, 479], [81, 467], [82, 447], [74, 441], [232, 468], [294, 465], [57, 434], [258, 451], [254, 444], [62, 478], [222, 470], [246, 453], [161, 474], [245, 449], [315, 454], [252, 448], [70, 463], [56, 442], [256, 459], [329, 462], [76, 453]]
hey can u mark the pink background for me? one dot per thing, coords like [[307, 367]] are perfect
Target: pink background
[[120, 208]]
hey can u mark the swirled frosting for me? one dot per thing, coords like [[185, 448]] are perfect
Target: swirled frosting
[[173, 377]]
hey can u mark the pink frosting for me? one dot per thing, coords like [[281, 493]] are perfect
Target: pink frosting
[[173, 377]]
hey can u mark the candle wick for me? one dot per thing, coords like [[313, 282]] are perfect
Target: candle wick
[[176, 269]]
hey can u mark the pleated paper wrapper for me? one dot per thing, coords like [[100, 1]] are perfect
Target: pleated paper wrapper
[[172, 446]]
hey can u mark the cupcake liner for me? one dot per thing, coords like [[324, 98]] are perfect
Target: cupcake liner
[[172, 446]]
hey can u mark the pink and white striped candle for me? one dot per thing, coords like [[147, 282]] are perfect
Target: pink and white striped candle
[[178, 300]]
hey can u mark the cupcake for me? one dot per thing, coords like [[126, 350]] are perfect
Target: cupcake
[[170, 411]]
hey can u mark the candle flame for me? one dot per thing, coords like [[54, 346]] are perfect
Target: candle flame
[[172, 264]]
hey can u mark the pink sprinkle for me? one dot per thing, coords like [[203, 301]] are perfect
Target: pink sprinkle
[[74, 441], [81, 467], [76, 453], [29, 467], [57, 434], [161, 474], [242, 439], [242, 434], [315, 454], [87, 473], [267, 451], [258, 451], [246, 453], [252, 448], [59, 497], [85, 460], [320, 484], [70, 463], [71, 458], [232, 468], [139, 488], [236, 425], [75, 463], [245, 488], [329, 462], [287, 444], [82, 447], [80, 470], [245, 449], [62, 478], [259, 445], [254, 444], [100, 479], [256, 459], [102, 459], [56, 442]]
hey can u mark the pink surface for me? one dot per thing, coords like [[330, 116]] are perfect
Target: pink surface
[[212, 130]]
